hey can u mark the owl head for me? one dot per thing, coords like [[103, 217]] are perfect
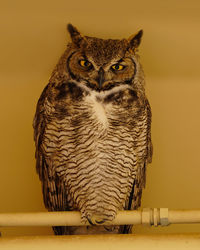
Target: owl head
[[101, 64]]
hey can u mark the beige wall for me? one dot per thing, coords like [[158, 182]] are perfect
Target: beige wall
[[32, 38]]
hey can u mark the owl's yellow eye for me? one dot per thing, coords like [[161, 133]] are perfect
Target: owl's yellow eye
[[118, 67], [85, 63]]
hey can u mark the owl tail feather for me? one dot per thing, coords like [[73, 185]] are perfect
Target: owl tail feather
[[60, 230], [126, 229]]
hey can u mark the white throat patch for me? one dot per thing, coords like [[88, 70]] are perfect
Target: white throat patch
[[94, 98], [98, 108]]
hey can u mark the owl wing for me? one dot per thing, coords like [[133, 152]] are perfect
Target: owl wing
[[134, 200], [149, 149], [140, 180], [146, 157], [54, 193]]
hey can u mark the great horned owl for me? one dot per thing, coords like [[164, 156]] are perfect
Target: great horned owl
[[92, 132]]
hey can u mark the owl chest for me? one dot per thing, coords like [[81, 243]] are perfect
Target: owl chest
[[97, 115], [96, 124], [101, 125]]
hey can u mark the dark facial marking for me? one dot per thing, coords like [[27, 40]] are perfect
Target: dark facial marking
[[75, 91], [133, 95], [114, 97], [111, 85], [126, 97], [109, 98], [135, 70], [68, 68], [130, 80], [62, 91], [92, 86]]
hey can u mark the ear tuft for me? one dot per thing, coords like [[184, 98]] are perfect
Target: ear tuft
[[75, 34], [135, 40]]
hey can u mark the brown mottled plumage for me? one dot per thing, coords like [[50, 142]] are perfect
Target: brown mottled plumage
[[92, 132]]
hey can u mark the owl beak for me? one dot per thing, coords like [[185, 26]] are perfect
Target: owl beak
[[100, 78]]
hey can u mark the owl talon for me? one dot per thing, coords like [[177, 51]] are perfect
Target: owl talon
[[100, 221], [90, 221]]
